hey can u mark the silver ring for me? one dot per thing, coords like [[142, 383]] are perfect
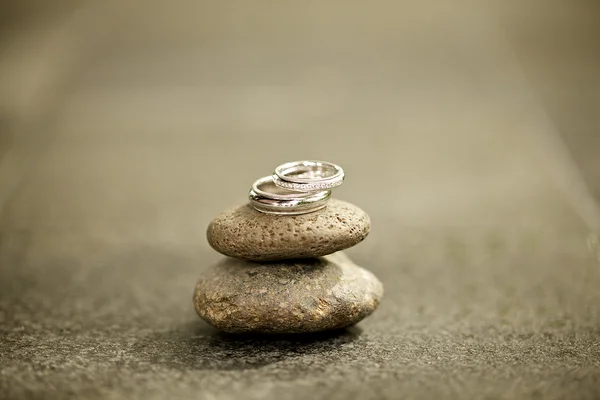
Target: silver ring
[[308, 176], [269, 198]]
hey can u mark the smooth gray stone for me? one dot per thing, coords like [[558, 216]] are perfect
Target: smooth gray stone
[[246, 233], [294, 296]]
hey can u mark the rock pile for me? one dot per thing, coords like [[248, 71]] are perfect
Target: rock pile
[[285, 272]]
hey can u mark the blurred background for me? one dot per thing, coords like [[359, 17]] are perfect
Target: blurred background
[[469, 131], [149, 117]]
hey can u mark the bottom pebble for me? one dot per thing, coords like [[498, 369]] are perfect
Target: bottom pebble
[[292, 296]]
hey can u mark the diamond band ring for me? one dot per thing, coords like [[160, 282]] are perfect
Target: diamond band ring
[[298, 187], [308, 175]]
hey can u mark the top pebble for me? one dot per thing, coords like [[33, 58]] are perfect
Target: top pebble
[[246, 233]]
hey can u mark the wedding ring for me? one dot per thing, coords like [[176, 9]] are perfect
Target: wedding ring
[[269, 198], [308, 176]]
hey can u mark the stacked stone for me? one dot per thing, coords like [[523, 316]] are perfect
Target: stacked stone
[[286, 273]]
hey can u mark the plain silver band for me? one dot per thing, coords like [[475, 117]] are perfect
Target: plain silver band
[[292, 203], [322, 175]]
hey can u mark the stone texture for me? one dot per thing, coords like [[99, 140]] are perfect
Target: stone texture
[[245, 233], [294, 296]]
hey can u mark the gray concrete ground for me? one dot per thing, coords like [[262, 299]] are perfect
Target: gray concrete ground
[[468, 133]]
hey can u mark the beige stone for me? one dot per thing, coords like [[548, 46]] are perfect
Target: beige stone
[[291, 296], [245, 233]]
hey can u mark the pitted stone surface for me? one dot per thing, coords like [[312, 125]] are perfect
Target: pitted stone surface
[[245, 233], [293, 296]]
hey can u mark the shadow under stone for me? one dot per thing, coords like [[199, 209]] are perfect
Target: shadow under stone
[[198, 346]]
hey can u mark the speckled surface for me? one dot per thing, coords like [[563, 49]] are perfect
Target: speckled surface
[[246, 233], [467, 313], [296, 296]]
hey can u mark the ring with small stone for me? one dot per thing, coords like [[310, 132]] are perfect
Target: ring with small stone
[[269, 198], [308, 176]]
